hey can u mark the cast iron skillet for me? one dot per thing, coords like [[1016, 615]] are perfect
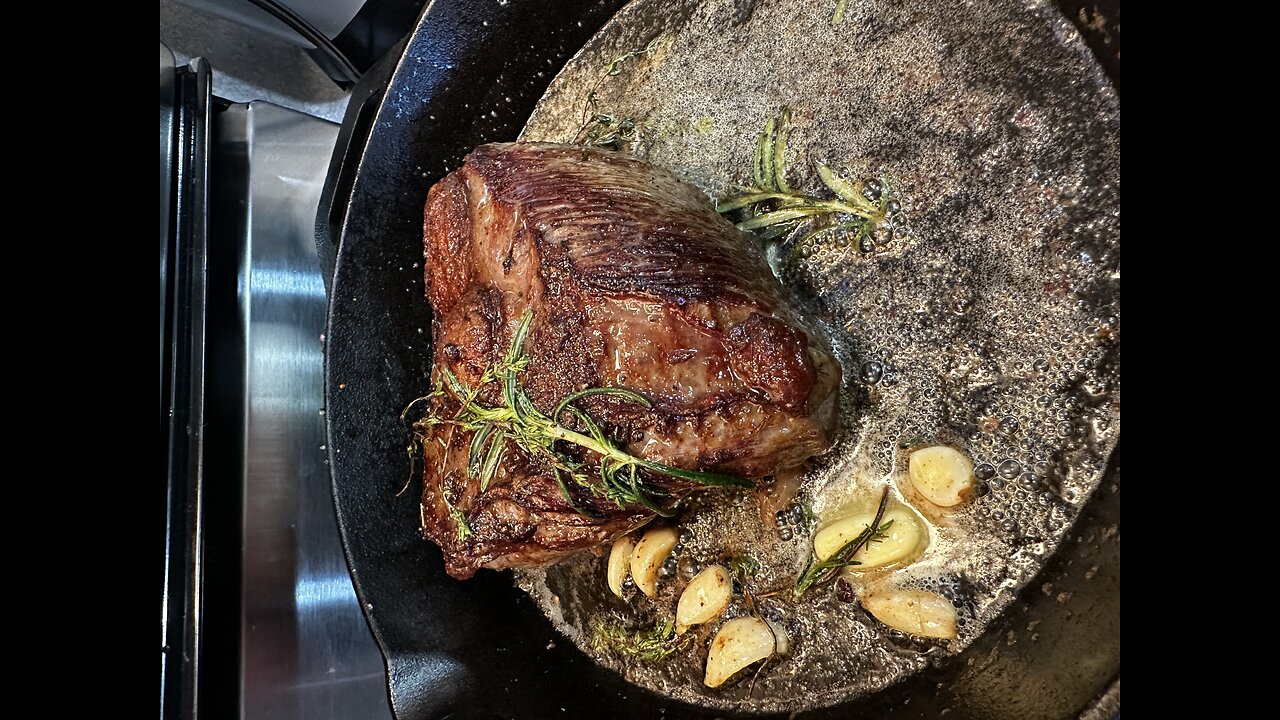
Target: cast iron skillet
[[471, 73]]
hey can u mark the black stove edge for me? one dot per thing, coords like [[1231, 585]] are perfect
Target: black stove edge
[[182, 411]]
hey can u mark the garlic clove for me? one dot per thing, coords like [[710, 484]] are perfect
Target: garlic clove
[[943, 475], [739, 643], [704, 598], [916, 612], [648, 556], [781, 640], [620, 563], [904, 538]]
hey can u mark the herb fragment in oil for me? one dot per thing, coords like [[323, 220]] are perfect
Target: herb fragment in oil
[[743, 567], [772, 208], [611, 130], [819, 571], [648, 644], [616, 476], [608, 131], [837, 18]]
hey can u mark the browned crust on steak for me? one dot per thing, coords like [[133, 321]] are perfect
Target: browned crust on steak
[[635, 281]]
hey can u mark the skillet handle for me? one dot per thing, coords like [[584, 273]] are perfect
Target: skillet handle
[[366, 98]]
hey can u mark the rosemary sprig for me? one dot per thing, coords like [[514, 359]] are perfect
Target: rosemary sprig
[[649, 50], [819, 571], [648, 644], [617, 476], [773, 208]]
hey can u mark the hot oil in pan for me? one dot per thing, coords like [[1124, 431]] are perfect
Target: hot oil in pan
[[989, 322]]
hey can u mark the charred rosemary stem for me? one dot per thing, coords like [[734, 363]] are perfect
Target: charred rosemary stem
[[618, 476], [819, 571]]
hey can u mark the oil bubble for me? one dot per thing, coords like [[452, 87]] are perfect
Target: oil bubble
[[872, 371], [1009, 469]]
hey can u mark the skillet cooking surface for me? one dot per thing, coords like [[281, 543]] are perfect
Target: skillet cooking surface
[[989, 321], [480, 648]]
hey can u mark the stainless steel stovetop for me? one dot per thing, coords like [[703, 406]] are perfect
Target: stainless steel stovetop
[[259, 616]]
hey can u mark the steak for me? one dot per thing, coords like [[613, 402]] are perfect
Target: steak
[[622, 275]]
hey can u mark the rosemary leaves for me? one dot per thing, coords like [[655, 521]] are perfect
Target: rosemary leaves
[[607, 471], [771, 207], [648, 644]]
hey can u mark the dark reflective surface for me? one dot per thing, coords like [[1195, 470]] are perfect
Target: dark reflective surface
[[301, 643]]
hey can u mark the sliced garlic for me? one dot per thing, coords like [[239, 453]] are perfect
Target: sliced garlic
[[943, 475], [739, 643], [917, 612], [648, 556], [704, 598], [904, 538], [620, 563]]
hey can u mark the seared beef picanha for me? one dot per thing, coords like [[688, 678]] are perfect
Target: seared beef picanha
[[632, 280]]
